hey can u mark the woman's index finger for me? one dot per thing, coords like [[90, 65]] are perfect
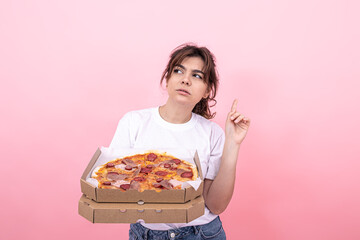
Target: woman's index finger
[[234, 105]]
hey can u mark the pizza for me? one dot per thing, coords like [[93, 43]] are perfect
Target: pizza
[[149, 171]]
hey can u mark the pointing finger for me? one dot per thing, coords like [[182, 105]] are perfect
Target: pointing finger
[[234, 105]]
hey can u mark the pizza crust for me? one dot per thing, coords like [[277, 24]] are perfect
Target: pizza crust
[[195, 172], [94, 173]]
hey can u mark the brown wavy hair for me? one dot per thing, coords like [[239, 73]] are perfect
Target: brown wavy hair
[[211, 77]]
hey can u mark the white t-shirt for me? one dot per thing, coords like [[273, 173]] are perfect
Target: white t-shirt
[[146, 129]]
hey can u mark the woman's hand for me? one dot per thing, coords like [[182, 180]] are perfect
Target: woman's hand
[[236, 125]]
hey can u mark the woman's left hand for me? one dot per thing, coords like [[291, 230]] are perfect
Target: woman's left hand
[[236, 125]]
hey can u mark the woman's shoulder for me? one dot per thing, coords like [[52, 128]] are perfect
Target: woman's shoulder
[[209, 124], [141, 114], [143, 111]]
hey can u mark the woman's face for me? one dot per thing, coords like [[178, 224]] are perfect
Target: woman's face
[[186, 84]]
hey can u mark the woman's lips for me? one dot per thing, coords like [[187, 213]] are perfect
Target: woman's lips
[[183, 91]]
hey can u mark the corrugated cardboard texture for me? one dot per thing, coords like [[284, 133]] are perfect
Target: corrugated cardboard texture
[[191, 193], [85, 210], [148, 196], [169, 196], [87, 188], [132, 212]]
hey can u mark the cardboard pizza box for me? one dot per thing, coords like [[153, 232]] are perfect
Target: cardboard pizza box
[[134, 196], [149, 212]]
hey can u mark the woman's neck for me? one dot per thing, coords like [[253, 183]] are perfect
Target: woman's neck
[[175, 113]]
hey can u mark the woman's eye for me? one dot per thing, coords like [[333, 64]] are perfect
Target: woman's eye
[[197, 76], [177, 71]]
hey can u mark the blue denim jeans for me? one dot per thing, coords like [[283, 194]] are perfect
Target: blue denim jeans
[[210, 231]]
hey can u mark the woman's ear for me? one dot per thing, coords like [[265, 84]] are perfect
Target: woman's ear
[[206, 94]]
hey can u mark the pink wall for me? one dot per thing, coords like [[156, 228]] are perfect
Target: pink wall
[[69, 70]]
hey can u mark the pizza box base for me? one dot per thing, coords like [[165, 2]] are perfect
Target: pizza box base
[[149, 212], [134, 196]]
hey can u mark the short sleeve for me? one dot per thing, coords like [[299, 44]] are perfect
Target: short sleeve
[[122, 137], [216, 149]]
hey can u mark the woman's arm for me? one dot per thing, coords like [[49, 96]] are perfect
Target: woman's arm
[[218, 192]]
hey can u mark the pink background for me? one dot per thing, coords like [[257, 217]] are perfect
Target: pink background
[[69, 71]]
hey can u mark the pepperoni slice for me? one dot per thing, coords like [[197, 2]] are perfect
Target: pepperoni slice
[[159, 179], [145, 170], [186, 174], [166, 165], [116, 173], [128, 167], [161, 173], [151, 157], [150, 166], [108, 165], [125, 186], [173, 168], [107, 183], [139, 179], [177, 161]]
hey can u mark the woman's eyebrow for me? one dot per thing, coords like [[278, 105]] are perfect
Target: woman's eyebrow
[[195, 70]]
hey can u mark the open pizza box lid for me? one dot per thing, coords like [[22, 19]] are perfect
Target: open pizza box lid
[[149, 213], [134, 196]]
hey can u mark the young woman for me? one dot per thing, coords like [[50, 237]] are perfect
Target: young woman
[[183, 122]]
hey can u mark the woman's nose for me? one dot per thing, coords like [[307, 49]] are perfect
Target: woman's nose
[[186, 80]]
